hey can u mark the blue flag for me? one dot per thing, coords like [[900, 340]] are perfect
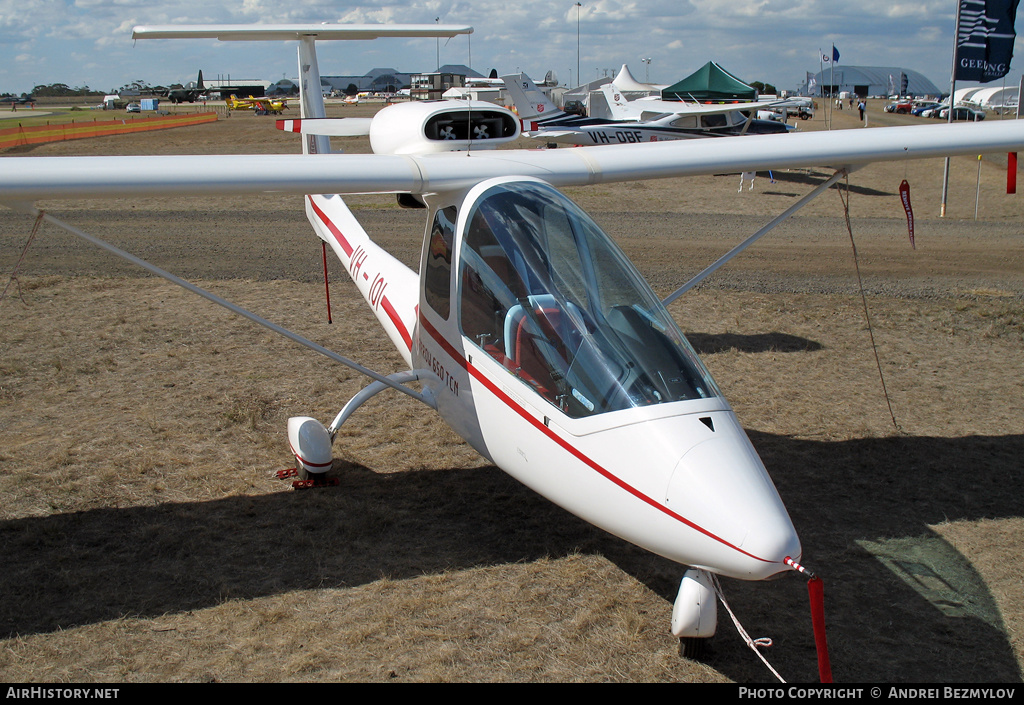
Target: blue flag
[[835, 52], [984, 44]]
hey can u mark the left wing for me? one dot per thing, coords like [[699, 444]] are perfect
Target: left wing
[[34, 178]]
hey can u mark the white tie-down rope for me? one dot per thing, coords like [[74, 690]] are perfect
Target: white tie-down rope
[[752, 643]]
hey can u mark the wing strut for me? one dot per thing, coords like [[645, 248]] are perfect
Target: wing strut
[[756, 236], [234, 308]]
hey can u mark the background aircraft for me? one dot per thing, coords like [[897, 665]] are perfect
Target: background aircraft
[[631, 125], [188, 94], [262, 106]]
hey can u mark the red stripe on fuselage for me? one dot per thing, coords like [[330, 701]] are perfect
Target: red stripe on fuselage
[[440, 340], [397, 320], [335, 231], [389, 308], [566, 445]]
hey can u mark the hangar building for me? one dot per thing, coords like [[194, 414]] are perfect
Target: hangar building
[[864, 81]]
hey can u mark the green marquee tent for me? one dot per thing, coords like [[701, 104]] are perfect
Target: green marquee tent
[[710, 83]]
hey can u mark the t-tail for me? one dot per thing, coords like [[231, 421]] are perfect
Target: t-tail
[[306, 34]]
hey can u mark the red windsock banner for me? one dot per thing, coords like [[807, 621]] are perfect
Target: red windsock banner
[[905, 198]]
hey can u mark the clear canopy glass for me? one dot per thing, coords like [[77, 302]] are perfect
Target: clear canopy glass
[[547, 294]]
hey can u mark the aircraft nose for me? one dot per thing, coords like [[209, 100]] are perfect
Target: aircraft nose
[[721, 486]]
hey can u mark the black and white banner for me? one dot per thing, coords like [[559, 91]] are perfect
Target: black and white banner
[[984, 44]]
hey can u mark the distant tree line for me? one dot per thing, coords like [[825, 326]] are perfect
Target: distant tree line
[[764, 88], [62, 90]]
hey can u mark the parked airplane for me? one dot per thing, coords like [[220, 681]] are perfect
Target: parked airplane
[[545, 122], [262, 106], [645, 108], [531, 333], [191, 94]]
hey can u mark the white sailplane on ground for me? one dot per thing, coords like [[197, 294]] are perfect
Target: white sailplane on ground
[[525, 328]]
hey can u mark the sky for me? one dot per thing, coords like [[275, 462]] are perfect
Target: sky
[[88, 42]]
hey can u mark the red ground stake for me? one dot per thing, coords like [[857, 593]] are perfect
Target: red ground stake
[[327, 285], [816, 591]]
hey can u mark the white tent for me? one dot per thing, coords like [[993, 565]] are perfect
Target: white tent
[[995, 98], [966, 95], [627, 84]]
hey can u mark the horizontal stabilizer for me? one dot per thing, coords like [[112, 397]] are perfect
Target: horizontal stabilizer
[[551, 133], [329, 127], [279, 32]]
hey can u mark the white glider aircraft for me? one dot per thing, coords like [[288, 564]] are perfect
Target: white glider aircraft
[[528, 330], [632, 122]]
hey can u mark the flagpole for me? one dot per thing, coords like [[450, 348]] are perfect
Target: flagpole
[[952, 89], [832, 78], [821, 86]]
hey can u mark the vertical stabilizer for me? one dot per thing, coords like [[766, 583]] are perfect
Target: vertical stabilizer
[[618, 106], [529, 101], [311, 96]]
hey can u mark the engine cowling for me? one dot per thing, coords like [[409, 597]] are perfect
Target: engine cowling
[[422, 127]]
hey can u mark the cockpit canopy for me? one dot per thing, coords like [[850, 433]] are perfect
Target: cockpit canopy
[[546, 293]]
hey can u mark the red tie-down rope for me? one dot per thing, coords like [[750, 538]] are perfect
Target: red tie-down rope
[[24, 251], [816, 593]]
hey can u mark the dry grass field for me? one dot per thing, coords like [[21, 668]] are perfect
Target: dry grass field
[[145, 537]]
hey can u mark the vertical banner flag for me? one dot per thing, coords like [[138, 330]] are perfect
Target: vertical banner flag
[[984, 44], [905, 198], [835, 52]]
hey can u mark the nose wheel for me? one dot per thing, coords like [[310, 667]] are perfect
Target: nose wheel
[[694, 648], [695, 613]]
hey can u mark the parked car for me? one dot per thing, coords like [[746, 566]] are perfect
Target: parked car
[[901, 107], [134, 108], [575, 107], [962, 112], [934, 112], [920, 109]]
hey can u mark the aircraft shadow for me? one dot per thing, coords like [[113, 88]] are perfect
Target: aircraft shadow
[[814, 178], [901, 604], [707, 343], [846, 499]]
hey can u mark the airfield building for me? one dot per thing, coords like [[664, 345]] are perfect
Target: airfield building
[[865, 81], [378, 80], [385, 80]]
